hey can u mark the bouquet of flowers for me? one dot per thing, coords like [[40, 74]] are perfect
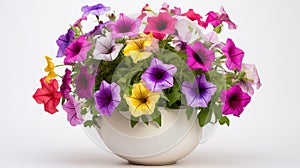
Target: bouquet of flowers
[[168, 59]]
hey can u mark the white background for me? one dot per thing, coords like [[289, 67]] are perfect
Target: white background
[[266, 135]]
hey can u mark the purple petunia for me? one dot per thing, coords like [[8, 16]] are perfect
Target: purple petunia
[[234, 100], [84, 83], [72, 107], [199, 93], [107, 98], [199, 57], [63, 41], [233, 54], [96, 10], [77, 50], [124, 26], [65, 88], [159, 75]]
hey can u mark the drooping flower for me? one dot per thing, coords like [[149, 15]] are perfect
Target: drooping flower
[[144, 12], [199, 93], [233, 54], [234, 100], [50, 69], [124, 26], [98, 30], [48, 95], [65, 88], [194, 16], [252, 78], [84, 83], [199, 57], [158, 75], [64, 41], [107, 98], [77, 50], [96, 10], [160, 25], [136, 48], [78, 22], [72, 107], [142, 101], [106, 49], [217, 18]]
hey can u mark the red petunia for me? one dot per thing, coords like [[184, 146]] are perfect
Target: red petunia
[[48, 95], [194, 16]]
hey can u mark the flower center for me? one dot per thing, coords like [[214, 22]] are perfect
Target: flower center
[[198, 56], [161, 26], [125, 28], [159, 74]]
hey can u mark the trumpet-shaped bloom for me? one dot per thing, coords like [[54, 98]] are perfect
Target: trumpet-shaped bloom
[[142, 101], [194, 16], [48, 95], [65, 88], [78, 22], [137, 48], [64, 41], [199, 57], [161, 25], [159, 75], [233, 54], [124, 26], [96, 10], [77, 51], [217, 18], [252, 78], [72, 107], [106, 49], [84, 83], [50, 69], [199, 93], [234, 100], [107, 98]]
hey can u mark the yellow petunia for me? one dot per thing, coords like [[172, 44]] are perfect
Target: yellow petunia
[[142, 101], [137, 48], [50, 69]]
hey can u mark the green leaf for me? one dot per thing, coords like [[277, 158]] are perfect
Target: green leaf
[[145, 119], [156, 116], [134, 121], [88, 123], [218, 29], [189, 112], [224, 120], [83, 111], [204, 116], [173, 97]]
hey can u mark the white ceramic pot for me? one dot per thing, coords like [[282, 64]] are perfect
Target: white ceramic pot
[[151, 144]]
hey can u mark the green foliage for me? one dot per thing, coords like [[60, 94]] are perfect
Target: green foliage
[[205, 115], [88, 123], [189, 112], [156, 116], [224, 120], [134, 121], [145, 119]]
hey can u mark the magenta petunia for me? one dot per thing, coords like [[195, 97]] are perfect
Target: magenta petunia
[[96, 10], [124, 26], [233, 54], [84, 83], [216, 19], [194, 16], [107, 98], [72, 107], [77, 51], [159, 75], [234, 100], [199, 57], [199, 93], [65, 88], [63, 41], [161, 25]]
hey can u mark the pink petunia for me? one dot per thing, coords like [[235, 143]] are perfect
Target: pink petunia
[[233, 54], [77, 50]]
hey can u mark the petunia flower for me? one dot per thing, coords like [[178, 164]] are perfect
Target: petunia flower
[[50, 69], [176, 11], [199, 93], [98, 30], [136, 48], [63, 41], [78, 22], [144, 12], [96, 10], [233, 54], [158, 75], [72, 107], [216, 19], [161, 25], [48, 95], [124, 26], [106, 49], [65, 88], [252, 78], [107, 98], [84, 83], [77, 50], [142, 101], [194, 16], [234, 100], [199, 57]]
